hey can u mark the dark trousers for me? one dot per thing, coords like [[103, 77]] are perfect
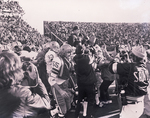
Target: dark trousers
[[104, 95], [89, 92]]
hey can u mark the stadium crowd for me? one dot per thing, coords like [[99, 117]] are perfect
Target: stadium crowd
[[41, 78], [108, 32], [14, 28], [56, 78]]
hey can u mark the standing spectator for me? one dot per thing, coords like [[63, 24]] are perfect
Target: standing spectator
[[73, 39], [136, 76], [146, 113], [16, 100], [92, 39], [107, 77], [86, 80], [41, 66], [98, 58]]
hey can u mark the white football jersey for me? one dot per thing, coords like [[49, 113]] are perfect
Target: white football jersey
[[53, 65], [52, 61]]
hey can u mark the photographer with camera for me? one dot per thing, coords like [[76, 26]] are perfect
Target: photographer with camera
[[136, 77], [123, 54]]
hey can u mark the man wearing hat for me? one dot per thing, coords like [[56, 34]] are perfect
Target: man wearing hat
[[73, 38], [136, 76]]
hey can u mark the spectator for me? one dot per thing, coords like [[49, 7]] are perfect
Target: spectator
[[92, 39], [86, 80], [107, 77], [98, 58], [73, 39], [109, 32], [133, 96], [146, 113], [19, 101]]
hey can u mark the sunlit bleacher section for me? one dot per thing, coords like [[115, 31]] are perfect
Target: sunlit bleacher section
[[14, 28], [109, 33]]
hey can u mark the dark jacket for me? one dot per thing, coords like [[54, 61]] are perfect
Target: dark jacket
[[84, 70], [18, 101], [128, 71], [73, 40], [106, 74]]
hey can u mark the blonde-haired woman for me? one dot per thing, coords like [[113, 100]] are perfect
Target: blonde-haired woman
[[17, 101]]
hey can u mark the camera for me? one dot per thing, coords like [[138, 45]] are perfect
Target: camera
[[26, 66], [123, 55], [27, 80], [89, 50]]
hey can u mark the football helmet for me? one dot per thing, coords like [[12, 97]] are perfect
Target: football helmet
[[54, 46]]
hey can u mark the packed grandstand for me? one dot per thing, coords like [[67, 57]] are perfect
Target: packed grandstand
[[14, 28]]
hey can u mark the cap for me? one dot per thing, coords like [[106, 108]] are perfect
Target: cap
[[139, 51]]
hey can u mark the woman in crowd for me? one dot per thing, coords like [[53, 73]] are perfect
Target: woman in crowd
[[16, 100]]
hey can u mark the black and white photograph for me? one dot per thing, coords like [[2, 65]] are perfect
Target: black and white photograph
[[74, 58]]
